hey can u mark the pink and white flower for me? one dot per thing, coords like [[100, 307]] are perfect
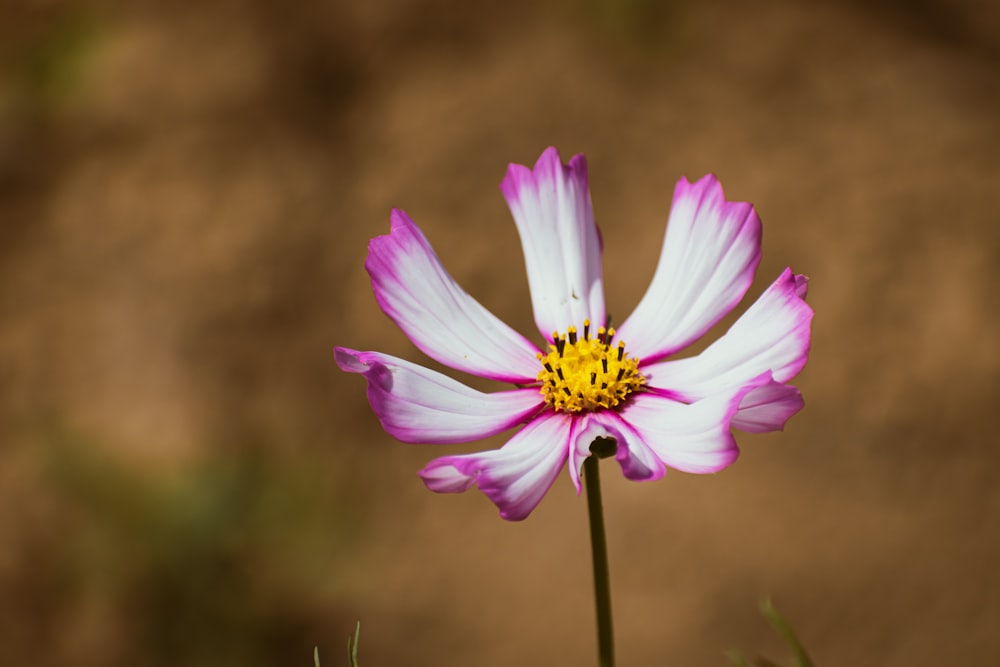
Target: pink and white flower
[[586, 383]]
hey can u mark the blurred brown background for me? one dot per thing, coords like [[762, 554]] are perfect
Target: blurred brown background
[[186, 194]]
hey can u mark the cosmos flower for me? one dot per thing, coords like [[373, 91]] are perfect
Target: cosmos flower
[[590, 379]]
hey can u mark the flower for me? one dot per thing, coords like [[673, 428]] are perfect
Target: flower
[[591, 380]]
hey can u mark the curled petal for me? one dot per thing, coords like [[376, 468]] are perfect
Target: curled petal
[[637, 460], [691, 437], [772, 335], [562, 248], [439, 317], [709, 255], [516, 476], [583, 433], [801, 285], [767, 408], [416, 404], [445, 476]]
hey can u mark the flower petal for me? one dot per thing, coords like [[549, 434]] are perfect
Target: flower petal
[[772, 335], [709, 255], [639, 463], [562, 248], [767, 408], [516, 476], [447, 324], [691, 437], [582, 435], [637, 460], [416, 404]]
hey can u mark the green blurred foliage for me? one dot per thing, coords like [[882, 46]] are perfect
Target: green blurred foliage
[[230, 561], [47, 62], [800, 657]]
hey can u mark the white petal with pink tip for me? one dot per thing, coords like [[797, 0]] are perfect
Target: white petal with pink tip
[[767, 408], [436, 314], [710, 252], [691, 437], [637, 460], [516, 476], [416, 404], [772, 335], [562, 248]]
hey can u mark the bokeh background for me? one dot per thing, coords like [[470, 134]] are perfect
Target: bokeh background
[[186, 194]]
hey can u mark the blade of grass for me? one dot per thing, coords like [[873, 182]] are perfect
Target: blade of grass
[[782, 627], [764, 662], [735, 657], [352, 645]]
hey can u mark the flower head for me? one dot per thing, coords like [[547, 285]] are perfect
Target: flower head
[[590, 380]]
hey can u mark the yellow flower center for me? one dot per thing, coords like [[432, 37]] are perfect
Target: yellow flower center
[[583, 373]]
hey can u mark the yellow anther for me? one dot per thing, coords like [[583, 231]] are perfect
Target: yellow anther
[[582, 374]]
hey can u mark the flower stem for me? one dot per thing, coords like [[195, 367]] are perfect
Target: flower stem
[[599, 550]]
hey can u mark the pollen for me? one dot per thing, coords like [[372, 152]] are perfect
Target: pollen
[[581, 373]]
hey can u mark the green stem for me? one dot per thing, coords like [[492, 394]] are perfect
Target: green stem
[[599, 550]]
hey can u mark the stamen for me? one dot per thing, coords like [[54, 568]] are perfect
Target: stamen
[[582, 374]]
